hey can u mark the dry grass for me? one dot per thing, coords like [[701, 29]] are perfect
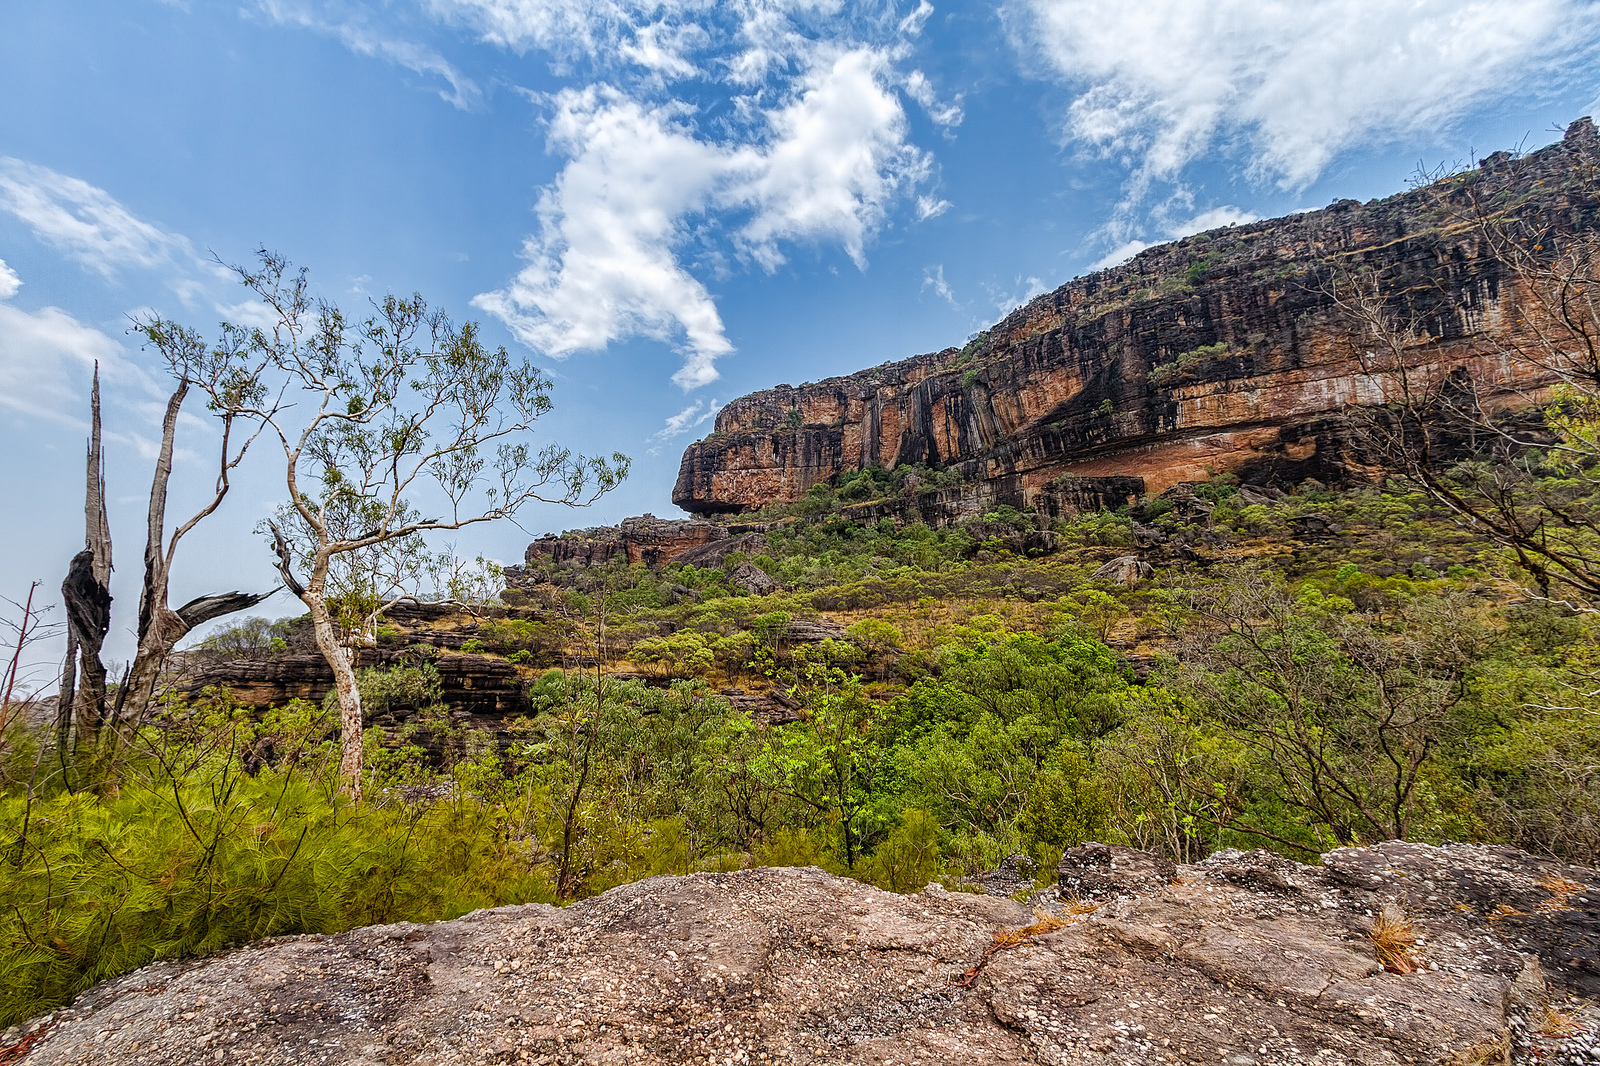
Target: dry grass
[[1394, 940], [1011, 938], [1503, 910], [1559, 1024], [1046, 923], [1077, 904], [1560, 890]]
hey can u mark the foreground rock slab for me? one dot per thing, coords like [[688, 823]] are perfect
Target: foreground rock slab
[[1245, 960]]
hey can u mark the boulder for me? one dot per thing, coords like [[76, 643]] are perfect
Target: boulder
[[711, 555], [752, 579], [1243, 960], [1124, 570], [1315, 524]]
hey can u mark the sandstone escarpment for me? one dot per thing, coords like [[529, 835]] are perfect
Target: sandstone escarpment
[[1244, 959], [1222, 352], [649, 540]]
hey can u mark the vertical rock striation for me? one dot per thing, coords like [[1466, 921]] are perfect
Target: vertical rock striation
[[1220, 352]]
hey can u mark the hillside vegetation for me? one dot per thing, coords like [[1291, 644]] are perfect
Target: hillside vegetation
[[1299, 671]]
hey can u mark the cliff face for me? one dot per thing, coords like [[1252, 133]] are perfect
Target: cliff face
[[1222, 352]]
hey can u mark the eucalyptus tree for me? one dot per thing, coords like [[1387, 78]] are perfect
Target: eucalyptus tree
[[373, 418]]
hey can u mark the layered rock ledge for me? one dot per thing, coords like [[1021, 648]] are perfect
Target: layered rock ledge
[[1244, 959], [1222, 352]]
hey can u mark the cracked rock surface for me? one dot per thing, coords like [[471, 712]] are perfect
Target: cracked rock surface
[[1246, 958]]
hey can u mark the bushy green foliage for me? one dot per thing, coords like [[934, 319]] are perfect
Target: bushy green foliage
[[187, 860], [1185, 364], [1066, 806], [909, 857], [980, 704], [249, 637]]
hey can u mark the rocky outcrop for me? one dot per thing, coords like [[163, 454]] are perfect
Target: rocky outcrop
[[1222, 352], [646, 539], [1244, 959], [715, 553], [477, 686]]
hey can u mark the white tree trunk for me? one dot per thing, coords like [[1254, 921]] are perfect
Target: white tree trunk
[[349, 693]]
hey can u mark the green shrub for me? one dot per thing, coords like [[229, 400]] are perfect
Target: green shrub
[[1065, 807], [909, 858], [1187, 364], [212, 858], [797, 846]]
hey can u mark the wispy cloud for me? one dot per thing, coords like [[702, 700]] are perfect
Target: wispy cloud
[[933, 278], [1007, 298], [1294, 82], [46, 357], [692, 417], [84, 222], [912, 24], [920, 89], [351, 27], [1215, 218]]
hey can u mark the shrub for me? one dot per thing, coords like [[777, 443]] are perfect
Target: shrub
[[1065, 807], [909, 858], [1187, 364], [791, 846], [210, 858]]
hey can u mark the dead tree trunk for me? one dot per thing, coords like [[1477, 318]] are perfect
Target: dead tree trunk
[[160, 627], [87, 593]]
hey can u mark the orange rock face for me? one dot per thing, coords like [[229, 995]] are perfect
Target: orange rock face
[[1220, 353]]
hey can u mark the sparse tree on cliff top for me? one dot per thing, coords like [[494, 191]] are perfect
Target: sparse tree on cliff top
[[1530, 483], [369, 415]]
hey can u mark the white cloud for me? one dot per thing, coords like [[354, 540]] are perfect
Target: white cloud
[[9, 281], [837, 157], [602, 266], [931, 207], [1120, 254], [1292, 82], [920, 89], [658, 35], [796, 135], [83, 221], [694, 416], [822, 164], [912, 24], [665, 49], [1215, 218], [354, 32], [46, 358], [1021, 291], [934, 279], [248, 313]]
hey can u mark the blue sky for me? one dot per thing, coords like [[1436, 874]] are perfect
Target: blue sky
[[664, 203]]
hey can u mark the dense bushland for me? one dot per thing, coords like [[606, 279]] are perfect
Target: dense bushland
[[1391, 678]]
